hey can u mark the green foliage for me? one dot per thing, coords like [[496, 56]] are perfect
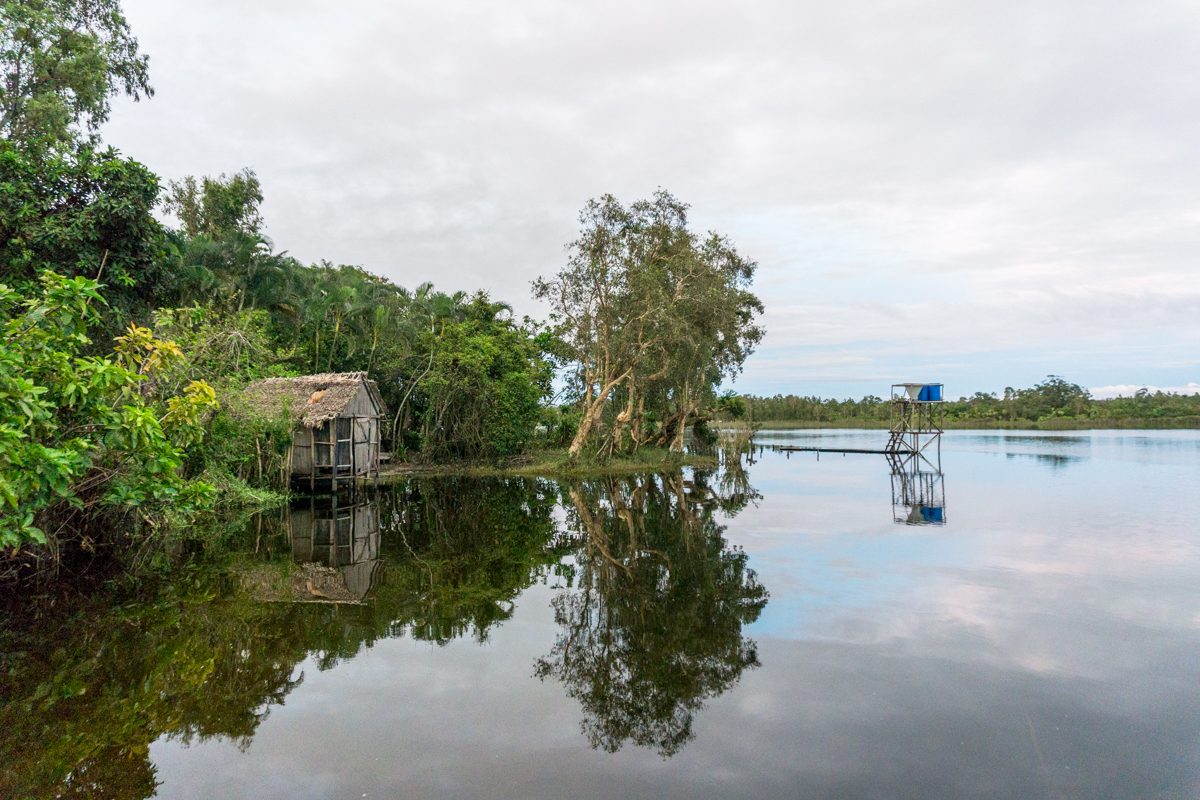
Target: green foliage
[[731, 406], [203, 310], [62, 61], [191, 651], [1052, 399], [461, 378], [191, 654], [244, 450], [76, 434], [241, 453], [83, 213], [470, 547], [221, 256], [1056, 398], [1149, 405], [481, 396], [560, 424], [226, 349], [651, 316], [811, 409], [90, 691], [220, 208]]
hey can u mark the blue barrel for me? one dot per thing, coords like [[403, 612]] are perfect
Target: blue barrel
[[930, 393]]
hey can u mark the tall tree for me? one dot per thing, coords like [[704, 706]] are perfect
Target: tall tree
[[83, 213], [63, 60], [220, 250], [646, 310], [219, 208], [67, 206]]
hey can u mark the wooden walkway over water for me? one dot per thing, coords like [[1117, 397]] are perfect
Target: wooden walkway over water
[[793, 449]]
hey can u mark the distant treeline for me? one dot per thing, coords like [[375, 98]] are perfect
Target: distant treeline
[[1053, 398]]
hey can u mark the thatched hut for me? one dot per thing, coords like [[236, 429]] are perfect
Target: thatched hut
[[338, 419]]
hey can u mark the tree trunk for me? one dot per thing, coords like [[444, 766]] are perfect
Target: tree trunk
[[591, 416], [614, 439], [592, 412], [374, 344], [685, 412], [413, 385], [635, 430], [337, 327]]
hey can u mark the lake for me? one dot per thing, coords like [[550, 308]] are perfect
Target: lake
[[1024, 623]]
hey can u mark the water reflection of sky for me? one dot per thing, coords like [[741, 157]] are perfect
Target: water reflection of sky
[[1102, 524], [1044, 642]]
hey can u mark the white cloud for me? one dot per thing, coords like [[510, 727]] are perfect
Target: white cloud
[[971, 179]]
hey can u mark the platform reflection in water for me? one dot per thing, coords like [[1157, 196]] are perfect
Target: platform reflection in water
[[918, 490]]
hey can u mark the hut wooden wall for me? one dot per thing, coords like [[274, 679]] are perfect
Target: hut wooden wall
[[302, 453], [362, 414], [364, 447], [366, 425]]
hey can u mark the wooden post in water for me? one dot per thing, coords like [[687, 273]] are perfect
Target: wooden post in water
[[333, 459]]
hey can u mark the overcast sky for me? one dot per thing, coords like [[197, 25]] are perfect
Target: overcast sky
[[976, 193]]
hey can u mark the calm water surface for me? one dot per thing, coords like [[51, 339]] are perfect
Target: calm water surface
[[784, 630]]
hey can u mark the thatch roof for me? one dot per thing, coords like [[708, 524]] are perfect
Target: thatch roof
[[310, 400]]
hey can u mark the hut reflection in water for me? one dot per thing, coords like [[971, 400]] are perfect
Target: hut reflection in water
[[337, 550]]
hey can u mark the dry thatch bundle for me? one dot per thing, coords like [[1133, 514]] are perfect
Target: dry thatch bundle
[[308, 400]]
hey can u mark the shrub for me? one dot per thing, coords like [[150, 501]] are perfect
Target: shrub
[[78, 440]]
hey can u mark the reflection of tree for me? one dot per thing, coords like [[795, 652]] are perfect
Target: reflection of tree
[[87, 692], [188, 653], [461, 551], [654, 625]]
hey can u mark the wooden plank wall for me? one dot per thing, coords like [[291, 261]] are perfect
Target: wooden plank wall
[[308, 447]]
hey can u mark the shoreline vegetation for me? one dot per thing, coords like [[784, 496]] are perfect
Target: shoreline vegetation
[[134, 312], [1053, 404], [556, 463], [1054, 424], [126, 342]]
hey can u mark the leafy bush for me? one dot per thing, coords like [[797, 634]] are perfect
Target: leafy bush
[[77, 436], [481, 395], [83, 212]]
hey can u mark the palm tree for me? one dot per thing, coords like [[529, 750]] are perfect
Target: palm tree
[[345, 304]]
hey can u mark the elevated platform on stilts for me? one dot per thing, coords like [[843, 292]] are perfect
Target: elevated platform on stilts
[[791, 449], [913, 450], [916, 425]]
